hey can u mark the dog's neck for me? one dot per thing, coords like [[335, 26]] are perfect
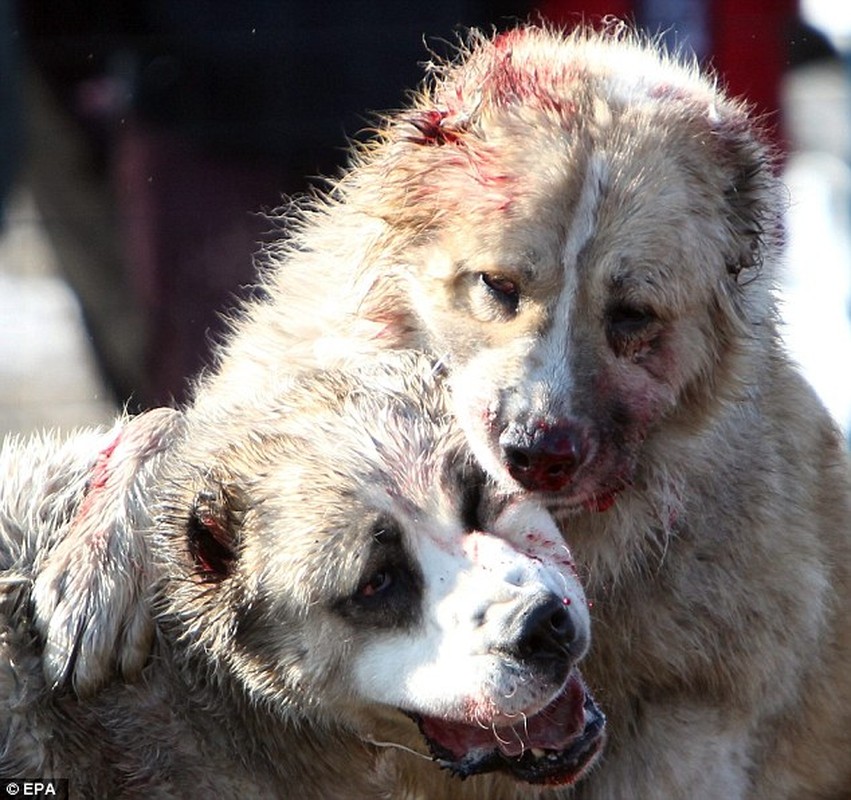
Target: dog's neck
[[310, 760]]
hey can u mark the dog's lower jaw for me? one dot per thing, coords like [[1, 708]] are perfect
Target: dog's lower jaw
[[600, 502], [595, 499]]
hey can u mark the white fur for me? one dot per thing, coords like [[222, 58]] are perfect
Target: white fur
[[474, 586]]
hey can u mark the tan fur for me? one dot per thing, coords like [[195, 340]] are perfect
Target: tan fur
[[179, 608], [629, 208]]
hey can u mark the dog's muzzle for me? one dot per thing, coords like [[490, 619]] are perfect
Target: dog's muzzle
[[557, 744], [543, 456]]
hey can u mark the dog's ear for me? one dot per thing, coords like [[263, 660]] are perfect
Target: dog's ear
[[91, 597], [751, 195], [214, 527]]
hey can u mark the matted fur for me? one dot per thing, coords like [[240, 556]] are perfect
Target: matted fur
[[586, 231], [75, 586], [196, 603]]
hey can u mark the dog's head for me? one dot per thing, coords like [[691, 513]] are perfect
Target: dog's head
[[586, 220], [347, 566]]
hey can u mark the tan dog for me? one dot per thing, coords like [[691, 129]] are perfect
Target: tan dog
[[585, 231], [312, 596]]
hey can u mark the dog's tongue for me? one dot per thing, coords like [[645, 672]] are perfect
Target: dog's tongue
[[554, 728]]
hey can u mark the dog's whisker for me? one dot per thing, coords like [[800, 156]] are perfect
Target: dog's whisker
[[565, 582], [496, 735], [521, 741], [396, 746], [481, 723]]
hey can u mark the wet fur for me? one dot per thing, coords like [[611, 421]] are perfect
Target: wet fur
[[636, 208]]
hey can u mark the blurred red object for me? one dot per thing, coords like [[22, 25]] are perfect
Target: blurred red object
[[748, 43]]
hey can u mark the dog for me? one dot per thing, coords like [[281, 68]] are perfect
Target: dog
[[313, 596], [585, 230]]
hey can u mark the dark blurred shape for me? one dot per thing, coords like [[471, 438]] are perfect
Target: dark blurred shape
[[11, 142], [203, 112], [808, 45]]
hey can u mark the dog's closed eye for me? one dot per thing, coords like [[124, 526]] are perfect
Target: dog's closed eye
[[630, 327]]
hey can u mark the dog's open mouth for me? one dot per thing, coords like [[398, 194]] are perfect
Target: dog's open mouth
[[553, 747]]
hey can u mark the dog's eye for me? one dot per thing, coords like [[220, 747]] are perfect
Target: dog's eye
[[376, 584], [389, 597], [504, 290], [631, 329], [627, 319], [389, 591]]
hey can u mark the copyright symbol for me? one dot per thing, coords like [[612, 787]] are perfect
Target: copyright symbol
[[12, 788]]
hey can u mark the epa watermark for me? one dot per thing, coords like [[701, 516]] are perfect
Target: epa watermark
[[36, 787]]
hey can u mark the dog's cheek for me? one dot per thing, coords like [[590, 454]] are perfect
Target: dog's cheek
[[696, 363], [631, 398], [688, 351], [452, 332], [271, 649]]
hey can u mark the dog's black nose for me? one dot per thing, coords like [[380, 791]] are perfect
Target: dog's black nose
[[547, 636], [543, 457]]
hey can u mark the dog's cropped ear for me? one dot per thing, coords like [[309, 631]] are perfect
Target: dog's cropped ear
[[214, 527], [751, 195], [91, 596]]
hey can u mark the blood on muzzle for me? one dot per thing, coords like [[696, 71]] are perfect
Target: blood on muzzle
[[544, 456]]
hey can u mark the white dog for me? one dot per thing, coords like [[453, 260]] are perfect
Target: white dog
[[313, 595], [585, 230]]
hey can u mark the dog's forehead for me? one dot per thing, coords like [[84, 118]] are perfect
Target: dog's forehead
[[413, 468], [595, 214], [527, 107], [399, 456], [317, 536]]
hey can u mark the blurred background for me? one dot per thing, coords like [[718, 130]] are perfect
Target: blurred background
[[141, 140]]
